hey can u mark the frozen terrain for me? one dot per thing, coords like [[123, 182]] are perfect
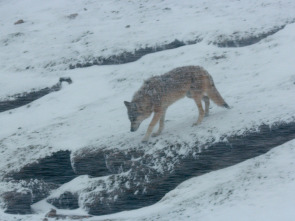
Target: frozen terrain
[[247, 47], [258, 189]]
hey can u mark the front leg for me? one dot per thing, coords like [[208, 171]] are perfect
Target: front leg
[[161, 125], [154, 121]]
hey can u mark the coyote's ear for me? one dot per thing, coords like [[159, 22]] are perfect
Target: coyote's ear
[[127, 104]]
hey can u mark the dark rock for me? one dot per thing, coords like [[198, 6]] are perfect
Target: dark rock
[[23, 194], [89, 162], [65, 79], [53, 214], [17, 202], [72, 16], [54, 169], [38, 179], [67, 200], [19, 22], [124, 191], [38, 188], [93, 162], [216, 57]]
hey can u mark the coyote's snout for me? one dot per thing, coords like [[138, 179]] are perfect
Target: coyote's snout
[[159, 92], [136, 116]]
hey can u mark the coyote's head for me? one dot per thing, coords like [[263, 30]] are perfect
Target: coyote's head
[[136, 114]]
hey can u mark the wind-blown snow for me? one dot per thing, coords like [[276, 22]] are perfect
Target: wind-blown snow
[[257, 81]]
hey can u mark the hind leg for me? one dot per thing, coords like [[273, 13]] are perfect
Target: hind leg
[[207, 104], [198, 100]]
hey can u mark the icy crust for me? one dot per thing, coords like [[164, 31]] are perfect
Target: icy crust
[[84, 32]]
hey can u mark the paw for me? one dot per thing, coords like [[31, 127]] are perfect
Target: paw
[[155, 134], [206, 114], [144, 140], [196, 124]]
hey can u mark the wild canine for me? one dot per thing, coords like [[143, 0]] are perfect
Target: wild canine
[[159, 92]]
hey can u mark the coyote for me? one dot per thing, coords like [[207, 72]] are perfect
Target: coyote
[[159, 92]]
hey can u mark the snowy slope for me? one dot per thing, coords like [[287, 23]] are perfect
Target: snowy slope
[[257, 189], [262, 188], [50, 40], [257, 80]]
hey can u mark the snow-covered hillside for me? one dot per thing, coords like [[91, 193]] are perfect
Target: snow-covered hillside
[[247, 47], [50, 38], [258, 189]]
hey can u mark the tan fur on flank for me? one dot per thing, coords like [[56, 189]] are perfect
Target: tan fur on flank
[[159, 92]]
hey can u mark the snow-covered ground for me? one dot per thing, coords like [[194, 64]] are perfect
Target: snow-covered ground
[[49, 39], [261, 188], [258, 81]]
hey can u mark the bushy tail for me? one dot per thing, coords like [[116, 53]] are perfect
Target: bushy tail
[[215, 96]]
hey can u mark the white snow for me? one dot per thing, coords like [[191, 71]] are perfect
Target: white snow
[[49, 37], [257, 81]]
